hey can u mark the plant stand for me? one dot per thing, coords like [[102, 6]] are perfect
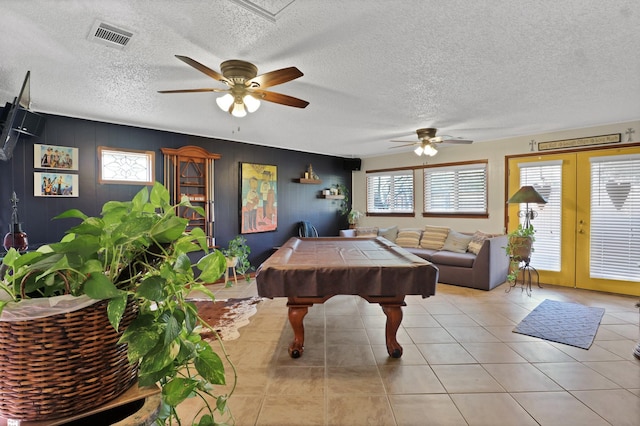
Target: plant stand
[[231, 264], [525, 271]]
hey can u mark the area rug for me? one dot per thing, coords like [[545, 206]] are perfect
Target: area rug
[[226, 316], [562, 322]]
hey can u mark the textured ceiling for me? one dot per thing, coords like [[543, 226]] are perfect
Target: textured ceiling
[[374, 70]]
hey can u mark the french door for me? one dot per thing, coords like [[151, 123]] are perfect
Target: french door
[[588, 233]]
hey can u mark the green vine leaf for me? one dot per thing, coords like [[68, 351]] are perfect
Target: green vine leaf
[[210, 366], [152, 288], [98, 286], [178, 389], [115, 310]]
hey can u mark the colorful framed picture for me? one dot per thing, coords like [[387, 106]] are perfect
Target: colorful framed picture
[[55, 157], [258, 198], [51, 184]]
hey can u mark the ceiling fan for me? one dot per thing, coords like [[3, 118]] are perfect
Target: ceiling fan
[[245, 87], [427, 141]]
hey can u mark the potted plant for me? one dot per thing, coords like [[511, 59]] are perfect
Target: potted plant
[[353, 217], [135, 251], [519, 248], [237, 254]]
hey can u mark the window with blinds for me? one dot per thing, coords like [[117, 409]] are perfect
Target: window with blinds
[[546, 178], [615, 217], [390, 192], [455, 189]]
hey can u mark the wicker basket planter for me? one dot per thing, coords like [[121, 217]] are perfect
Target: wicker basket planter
[[63, 364]]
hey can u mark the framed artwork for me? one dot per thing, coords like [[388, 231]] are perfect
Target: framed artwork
[[258, 198], [55, 157], [51, 184]]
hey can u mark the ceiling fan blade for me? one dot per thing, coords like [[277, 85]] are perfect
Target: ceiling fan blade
[[204, 69], [193, 90], [279, 98], [402, 146], [411, 142], [273, 78], [457, 141]]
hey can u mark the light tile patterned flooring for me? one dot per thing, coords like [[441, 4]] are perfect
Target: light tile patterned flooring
[[462, 364]]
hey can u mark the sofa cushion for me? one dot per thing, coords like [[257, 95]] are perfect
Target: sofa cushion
[[433, 237], [425, 254], [478, 240], [457, 242], [408, 237], [464, 260], [371, 231], [390, 233]]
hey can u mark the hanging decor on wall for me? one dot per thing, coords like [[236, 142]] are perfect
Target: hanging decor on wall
[[258, 198], [574, 143], [55, 157], [55, 185]]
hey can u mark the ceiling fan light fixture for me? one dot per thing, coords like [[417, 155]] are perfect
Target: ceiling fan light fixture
[[251, 103], [419, 150], [238, 110], [225, 102], [430, 150]]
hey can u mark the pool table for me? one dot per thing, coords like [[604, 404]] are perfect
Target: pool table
[[312, 270]]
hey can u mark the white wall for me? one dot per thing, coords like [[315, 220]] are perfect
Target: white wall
[[493, 151]]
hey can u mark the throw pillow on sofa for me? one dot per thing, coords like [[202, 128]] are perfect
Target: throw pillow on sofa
[[457, 242], [478, 240], [367, 232], [390, 233], [433, 237], [409, 238]]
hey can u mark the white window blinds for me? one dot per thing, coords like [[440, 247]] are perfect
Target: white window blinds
[[456, 189], [615, 217], [390, 192], [546, 178]]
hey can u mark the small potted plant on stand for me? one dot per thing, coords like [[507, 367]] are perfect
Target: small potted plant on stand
[[519, 248], [353, 217], [128, 271], [237, 256]]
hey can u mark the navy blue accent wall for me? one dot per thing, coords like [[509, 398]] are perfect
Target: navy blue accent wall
[[296, 201]]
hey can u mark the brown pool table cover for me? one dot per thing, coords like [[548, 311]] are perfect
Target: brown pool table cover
[[317, 267]]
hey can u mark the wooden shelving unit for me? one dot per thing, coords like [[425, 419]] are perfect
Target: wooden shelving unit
[[188, 171]]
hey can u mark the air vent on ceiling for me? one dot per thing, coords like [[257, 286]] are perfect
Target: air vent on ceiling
[[109, 35]]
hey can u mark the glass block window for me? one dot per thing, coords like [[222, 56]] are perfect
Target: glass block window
[[117, 165]]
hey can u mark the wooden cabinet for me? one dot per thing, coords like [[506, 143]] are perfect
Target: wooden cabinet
[[188, 171]]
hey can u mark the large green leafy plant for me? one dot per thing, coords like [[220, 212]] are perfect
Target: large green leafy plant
[[137, 250]]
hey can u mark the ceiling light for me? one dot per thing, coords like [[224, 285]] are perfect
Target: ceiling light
[[225, 102], [251, 103], [419, 151], [238, 109], [426, 149]]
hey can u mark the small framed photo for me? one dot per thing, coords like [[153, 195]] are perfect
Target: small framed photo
[[50, 184], [55, 157]]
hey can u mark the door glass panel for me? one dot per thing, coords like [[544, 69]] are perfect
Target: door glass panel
[[615, 217], [546, 178]]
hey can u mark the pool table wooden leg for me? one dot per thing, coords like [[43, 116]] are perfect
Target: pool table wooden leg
[[393, 311], [296, 317]]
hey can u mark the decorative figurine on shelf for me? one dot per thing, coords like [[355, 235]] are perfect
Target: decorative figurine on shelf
[[15, 238], [310, 174]]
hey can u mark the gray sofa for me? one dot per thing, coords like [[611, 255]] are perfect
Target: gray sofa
[[483, 271]]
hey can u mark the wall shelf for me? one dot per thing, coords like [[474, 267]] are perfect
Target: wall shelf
[[333, 197], [310, 181]]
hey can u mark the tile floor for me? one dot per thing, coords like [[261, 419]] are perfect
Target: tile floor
[[462, 364]]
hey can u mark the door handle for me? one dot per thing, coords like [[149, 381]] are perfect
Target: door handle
[[581, 227]]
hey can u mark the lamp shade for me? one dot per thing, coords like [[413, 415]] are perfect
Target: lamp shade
[[527, 194]]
